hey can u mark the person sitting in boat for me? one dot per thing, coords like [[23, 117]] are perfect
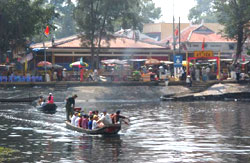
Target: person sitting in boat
[[94, 123], [90, 122], [84, 122], [43, 103], [105, 119], [73, 119], [70, 106], [116, 118], [50, 99], [40, 100], [78, 119]]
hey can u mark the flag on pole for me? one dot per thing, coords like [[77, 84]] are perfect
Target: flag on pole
[[46, 32], [176, 32], [203, 45]]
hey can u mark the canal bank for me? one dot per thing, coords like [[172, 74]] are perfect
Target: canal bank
[[217, 92]]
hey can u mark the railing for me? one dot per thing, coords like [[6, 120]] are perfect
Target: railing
[[21, 78]]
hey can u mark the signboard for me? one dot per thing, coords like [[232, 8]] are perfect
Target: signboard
[[178, 61], [203, 54]]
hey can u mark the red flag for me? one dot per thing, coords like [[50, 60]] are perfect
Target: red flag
[[46, 32], [176, 32], [203, 45], [7, 59]]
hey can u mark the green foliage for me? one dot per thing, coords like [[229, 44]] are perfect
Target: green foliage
[[97, 19], [235, 16], [203, 11], [6, 154], [20, 20], [65, 23]]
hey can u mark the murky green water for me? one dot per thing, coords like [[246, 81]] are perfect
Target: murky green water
[[159, 132]]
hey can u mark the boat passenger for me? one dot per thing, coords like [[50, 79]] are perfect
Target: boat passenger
[[77, 119], [90, 122], [73, 119], [70, 105], [43, 103], [116, 118], [40, 100], [105, 119], [94, 123], [84, 123], [50, 99]]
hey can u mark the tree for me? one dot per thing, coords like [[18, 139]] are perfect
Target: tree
[[97, 20], [20, 20], [235, 16], [203, 11], [65, 24]]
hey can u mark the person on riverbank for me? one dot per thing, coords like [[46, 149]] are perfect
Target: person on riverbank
[[70, 105], [189, 81], [50, 99]]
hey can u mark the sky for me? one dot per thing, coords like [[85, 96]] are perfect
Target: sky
[[180, 8]]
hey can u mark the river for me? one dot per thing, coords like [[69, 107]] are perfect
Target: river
[[158, 132]]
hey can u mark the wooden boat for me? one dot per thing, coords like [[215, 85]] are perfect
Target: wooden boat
[[106, 130], [25, 99], [48, 108]]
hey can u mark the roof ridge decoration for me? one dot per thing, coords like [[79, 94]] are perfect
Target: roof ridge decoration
[[202, 29]]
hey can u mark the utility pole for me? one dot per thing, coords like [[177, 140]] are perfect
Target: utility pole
[[174, 40]]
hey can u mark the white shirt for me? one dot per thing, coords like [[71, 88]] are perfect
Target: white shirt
[[73, 119], [77, 121], [94, 124], [106, 119]]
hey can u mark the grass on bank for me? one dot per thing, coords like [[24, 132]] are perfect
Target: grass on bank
[[7, 154]]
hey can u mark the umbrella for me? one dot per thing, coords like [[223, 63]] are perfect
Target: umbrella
[[114, 61], [78, 64], [152, 61], [184, 63], [43, 63], [56, 66]]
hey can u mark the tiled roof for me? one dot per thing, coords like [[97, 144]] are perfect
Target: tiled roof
[[188, 35], [119, 42]]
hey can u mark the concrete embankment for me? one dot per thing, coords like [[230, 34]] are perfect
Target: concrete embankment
[[217, 92]]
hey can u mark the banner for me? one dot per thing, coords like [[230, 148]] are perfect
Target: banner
[[178, 60]]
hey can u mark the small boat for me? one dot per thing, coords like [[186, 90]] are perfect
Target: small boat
[[48, 108], [25, 99], [106, 130]]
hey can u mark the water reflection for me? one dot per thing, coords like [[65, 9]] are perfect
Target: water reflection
[[158, 132]]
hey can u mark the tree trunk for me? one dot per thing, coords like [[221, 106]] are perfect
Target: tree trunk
[[240, 42]]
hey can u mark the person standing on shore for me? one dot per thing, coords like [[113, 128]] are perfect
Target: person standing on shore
[[70, 105]]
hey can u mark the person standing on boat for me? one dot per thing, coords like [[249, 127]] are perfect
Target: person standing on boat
[[50, 99], [70, 105]]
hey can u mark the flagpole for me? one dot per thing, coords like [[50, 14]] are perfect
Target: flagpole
[[174, 40], [45, 67], [180, 35]]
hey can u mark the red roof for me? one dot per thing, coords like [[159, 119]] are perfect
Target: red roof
[[119, 42], [190, 34]]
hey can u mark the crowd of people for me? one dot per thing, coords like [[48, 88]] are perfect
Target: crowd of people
[[93, 119]]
